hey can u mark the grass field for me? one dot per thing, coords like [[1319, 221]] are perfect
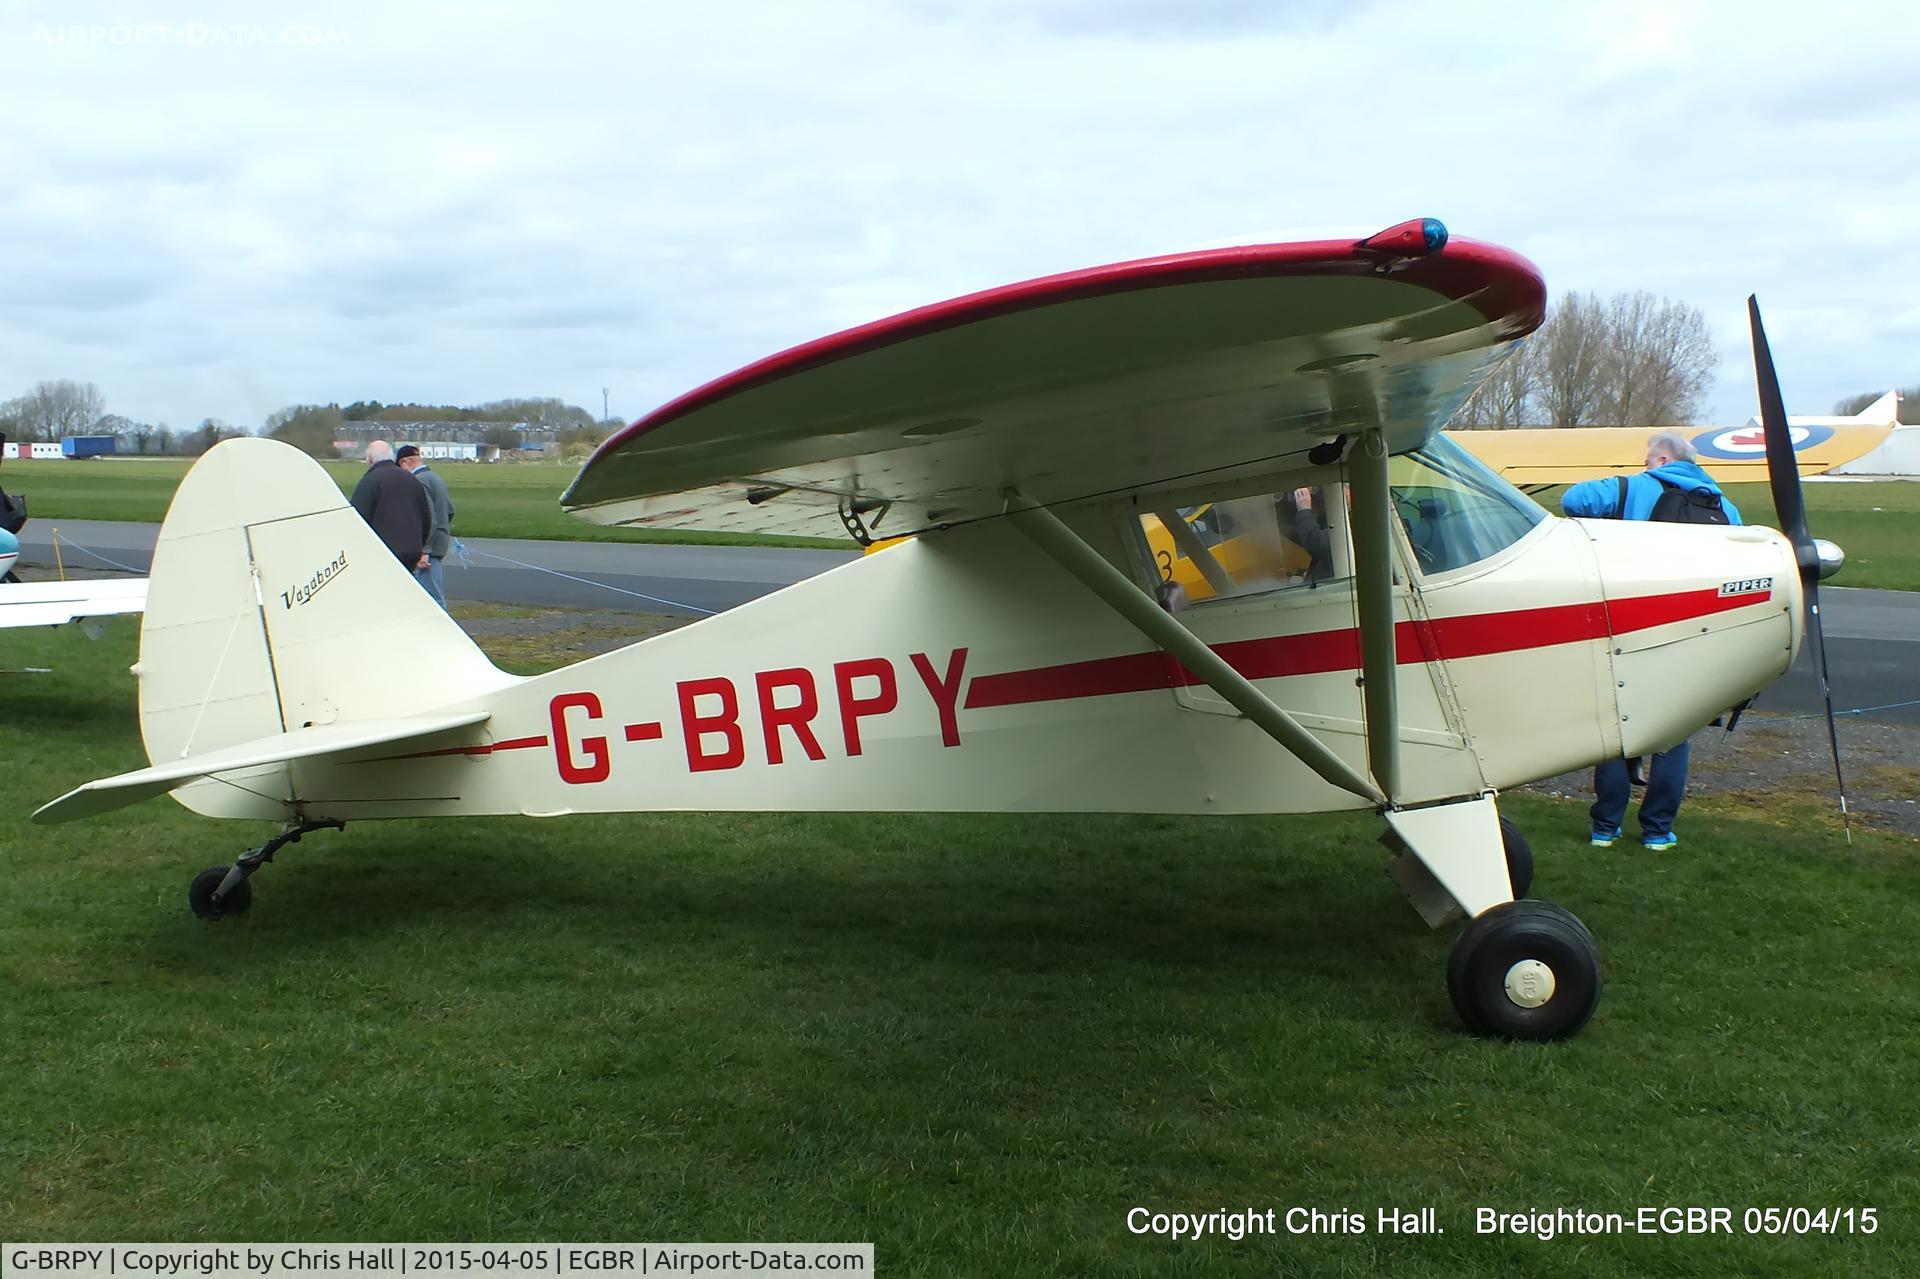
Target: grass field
[[975, 1041], [513, 499], [1877, 524]]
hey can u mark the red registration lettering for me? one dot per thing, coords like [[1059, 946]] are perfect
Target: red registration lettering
[[724, 723], [798, 717], [945, 690], [573, 771], [852, 708]]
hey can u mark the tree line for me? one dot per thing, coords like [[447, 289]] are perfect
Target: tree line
[[1632, 359], [54, 410], [313, 428]]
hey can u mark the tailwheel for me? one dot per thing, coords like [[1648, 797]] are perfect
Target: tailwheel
[[1525, 970], [219, 891], [208, 902]]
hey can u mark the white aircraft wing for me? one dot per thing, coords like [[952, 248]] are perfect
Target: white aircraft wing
[[57, 603]]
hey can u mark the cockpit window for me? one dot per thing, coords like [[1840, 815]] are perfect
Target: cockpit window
[[1246, 545], [1456, 510]]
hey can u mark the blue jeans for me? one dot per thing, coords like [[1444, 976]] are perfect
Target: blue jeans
[[1666, 787], [433, 578]]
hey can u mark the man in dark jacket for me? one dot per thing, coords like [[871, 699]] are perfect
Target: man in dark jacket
[[1670, 466], [395, 506], [441, 540]]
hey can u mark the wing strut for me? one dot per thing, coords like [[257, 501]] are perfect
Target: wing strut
[[1372, 516], [1196, 551], [1065, 548]]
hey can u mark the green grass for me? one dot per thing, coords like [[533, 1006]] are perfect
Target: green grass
[[509, 499], [1878, 524], [976, 1041]]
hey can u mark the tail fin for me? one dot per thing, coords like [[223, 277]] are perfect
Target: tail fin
[[1885, 410], [272, 607]]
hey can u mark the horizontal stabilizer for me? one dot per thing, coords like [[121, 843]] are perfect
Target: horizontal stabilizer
[[331, 740], [57, 603]]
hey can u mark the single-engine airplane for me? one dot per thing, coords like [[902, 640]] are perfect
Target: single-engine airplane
[[1019, 654]]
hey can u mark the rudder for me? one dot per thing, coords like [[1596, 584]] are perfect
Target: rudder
[[272, 607]]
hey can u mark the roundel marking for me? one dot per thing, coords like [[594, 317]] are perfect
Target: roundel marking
[[1743, 443]]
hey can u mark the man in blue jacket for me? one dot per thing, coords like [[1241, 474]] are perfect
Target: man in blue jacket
[[1673, 487]]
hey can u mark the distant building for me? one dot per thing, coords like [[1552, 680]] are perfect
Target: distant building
[[31, 451], [432, 450], [461, 432]]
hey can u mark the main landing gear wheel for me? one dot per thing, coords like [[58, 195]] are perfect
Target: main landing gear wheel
[[1519, 857], [200, 894], [1525, 970]]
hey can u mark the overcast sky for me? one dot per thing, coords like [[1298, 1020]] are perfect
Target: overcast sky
[[221, 208]]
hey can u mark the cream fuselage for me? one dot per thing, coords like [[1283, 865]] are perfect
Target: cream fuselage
[[961, 671]]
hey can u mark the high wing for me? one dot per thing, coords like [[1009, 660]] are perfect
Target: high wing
[[57, 603], [1071, 386], [1734, 455]]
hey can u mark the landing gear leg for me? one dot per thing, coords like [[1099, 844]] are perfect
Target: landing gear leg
[[219, 891]]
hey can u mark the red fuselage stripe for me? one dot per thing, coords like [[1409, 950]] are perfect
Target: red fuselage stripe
[[513, 744], [1323, 652]]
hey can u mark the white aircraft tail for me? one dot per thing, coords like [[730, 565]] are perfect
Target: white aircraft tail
[[1883, 411], [273, 609]]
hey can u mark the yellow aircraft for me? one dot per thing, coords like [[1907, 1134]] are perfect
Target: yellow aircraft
[[1733, 454]]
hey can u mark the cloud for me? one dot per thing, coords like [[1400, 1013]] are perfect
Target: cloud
[[469, 201]]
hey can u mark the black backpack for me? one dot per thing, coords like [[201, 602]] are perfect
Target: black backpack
[[1678, 505]]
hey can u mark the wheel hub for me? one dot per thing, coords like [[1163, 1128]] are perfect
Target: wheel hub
[[1530, 983]]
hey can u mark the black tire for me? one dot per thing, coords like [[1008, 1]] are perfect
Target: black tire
[[200, 895], [1519, 857], [1492, 946]]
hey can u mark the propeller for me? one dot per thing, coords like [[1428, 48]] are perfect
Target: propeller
[[1816, 559]]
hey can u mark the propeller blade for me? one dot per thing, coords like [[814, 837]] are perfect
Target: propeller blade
[[1818, 634], [1783, 476], [1783, 473]]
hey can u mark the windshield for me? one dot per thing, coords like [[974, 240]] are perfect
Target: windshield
[[1456, 510]]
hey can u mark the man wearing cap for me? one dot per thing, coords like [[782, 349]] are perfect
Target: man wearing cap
[[440, 541], [395, 506]]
